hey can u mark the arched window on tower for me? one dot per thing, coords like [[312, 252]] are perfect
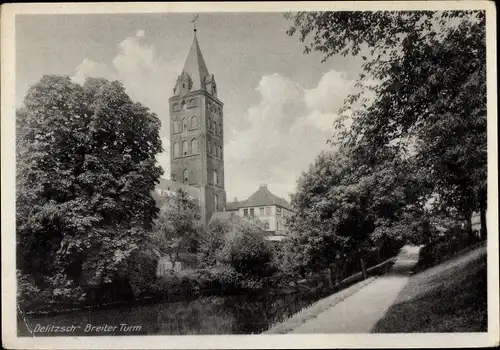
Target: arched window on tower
[[216, 178], [214, 150], [185, 176], [216, 202], [209, 148], [176, 149], [217, 152], [216, 130], [209, 123], [185, 124], [185, 148], [194, 146], [176, 126], [194, 122]]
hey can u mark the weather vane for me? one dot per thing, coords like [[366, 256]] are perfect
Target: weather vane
[[194, 22]]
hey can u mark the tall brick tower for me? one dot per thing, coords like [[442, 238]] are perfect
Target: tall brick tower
[[197, 133]]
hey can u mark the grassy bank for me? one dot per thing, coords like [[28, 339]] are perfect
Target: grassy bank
[[450, 297]]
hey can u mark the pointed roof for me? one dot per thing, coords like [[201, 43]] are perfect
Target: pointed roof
[[195, 65], [261, 197]]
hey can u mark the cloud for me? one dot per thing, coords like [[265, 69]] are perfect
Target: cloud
[[330, 92], [90, 68], [283, 133], [146, 78]]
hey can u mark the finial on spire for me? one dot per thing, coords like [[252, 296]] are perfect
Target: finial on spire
[[194, 22]]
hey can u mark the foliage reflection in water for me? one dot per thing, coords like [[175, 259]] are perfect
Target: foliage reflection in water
[[235, 314]]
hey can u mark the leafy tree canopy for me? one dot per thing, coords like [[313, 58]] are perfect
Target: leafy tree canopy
[[85, 172], [424, 80], [178, 225]]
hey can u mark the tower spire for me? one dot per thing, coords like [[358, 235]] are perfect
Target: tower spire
[[195, 70], [194, 23]]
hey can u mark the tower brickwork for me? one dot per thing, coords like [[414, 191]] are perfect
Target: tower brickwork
[[197, 133]]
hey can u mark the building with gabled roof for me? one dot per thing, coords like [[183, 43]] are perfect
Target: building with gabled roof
[[272, 210]]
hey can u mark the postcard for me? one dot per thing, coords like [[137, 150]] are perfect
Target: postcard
[[249, 175]]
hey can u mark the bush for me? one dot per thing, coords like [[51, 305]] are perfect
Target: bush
[[56, 293], [141, 271], [445, 246], [211, 244], [246, 251], [28, 293], [220, 278]]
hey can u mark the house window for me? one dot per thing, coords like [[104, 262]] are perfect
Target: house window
[[268, 210], [261, 211], [185, 148], [194, 122], [194, 146], [252, 212], [186, 176], [245, 212], [266, 225], [176, 149], [278, 211]]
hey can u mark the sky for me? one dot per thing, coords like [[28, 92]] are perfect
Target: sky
[[279, 103]]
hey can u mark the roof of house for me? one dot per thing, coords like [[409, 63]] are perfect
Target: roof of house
[[260, 198], [221, 216]]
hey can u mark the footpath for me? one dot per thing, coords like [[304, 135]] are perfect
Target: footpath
[[359, 312]]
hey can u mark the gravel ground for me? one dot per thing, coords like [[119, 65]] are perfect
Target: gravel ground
[[356, 309]]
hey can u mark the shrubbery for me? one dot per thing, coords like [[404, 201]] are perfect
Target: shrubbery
[[444, 246], [240, 245]]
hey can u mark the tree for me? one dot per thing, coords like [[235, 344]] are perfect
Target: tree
[[178, 225], [85, 172], [342, 209], [430, 93], [246, 250], [212, 243]]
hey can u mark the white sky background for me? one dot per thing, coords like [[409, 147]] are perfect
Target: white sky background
[[279, 104]]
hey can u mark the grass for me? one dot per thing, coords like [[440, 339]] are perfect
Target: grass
[[450, 297]]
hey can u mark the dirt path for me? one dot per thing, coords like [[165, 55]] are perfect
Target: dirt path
[[361, 311]]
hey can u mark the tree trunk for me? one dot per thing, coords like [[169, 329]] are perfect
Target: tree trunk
[[337, 274], [330, 282], [468, 224], [363, 268], [482, 213]]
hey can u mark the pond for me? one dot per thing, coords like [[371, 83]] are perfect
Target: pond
[[228, 314]]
